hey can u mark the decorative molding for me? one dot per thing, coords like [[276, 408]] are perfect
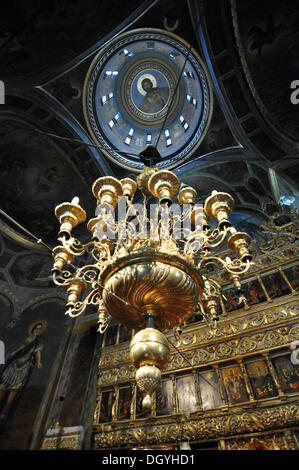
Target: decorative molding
[[70, 438], [214, 426], [245, 334]]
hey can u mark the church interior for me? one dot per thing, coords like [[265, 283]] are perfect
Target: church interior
[[194, 99]]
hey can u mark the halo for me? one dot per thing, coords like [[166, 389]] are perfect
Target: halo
[[150, 77], [43, 323]]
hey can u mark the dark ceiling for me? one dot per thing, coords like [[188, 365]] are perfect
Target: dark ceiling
[[250, 49]]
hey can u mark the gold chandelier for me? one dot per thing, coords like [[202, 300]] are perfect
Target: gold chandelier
[[147, 261]]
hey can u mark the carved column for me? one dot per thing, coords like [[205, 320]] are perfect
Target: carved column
[[222, 444], [117, 335], [154, 405], [224, 312], [97, 409], [258, 276], [174, 400], [133, 402], [115, 403], [293, 291], [198, 400], [290, 441], [246, 379], [274, 375]]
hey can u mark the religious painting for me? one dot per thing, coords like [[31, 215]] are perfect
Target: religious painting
[[79, 377], [124, 403], [186, 394], [18, 366], [231, 300], [234, 385], [107, 400], [111, 334], [261, 379], [31, 346], [150, 91], [271, 442], [209, 390], [288, 373], [253, 292], [125, 334], [195, 317], [293, 276], [164, 398], [275, 285], [33, 270]]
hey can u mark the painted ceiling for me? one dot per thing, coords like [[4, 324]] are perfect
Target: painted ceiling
[[47, 154]]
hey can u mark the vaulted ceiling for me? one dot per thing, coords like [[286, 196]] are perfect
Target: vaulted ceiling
[[251, 146]]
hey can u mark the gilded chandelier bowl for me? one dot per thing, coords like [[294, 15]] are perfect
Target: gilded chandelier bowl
[[150, 282]]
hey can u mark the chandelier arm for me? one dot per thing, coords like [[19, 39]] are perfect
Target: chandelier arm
[[91, 274], [93, 298], [211, 285], [74, 246], [104, 323], [210, 239], [239, 268], [104, 256], [62, 278]]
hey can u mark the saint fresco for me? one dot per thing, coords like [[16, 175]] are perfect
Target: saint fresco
[[288, 373], [124, 403], [164, 396], [209, 390], [261, 379], [234, 385], [150, 91], [19, 364], [186, 394], [111, 334], [105, 414]]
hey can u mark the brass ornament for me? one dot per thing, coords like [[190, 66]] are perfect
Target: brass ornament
[[61, 257], [149, 347], [129, 187], [155, 276], [219, 205], [107, 190], [137, 275], [143, 178], [74, 289], [199, 218], [239, 242], [92, 226], [148, 378], [163, 185], [69, 215], [187, 195], [149, 351]]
